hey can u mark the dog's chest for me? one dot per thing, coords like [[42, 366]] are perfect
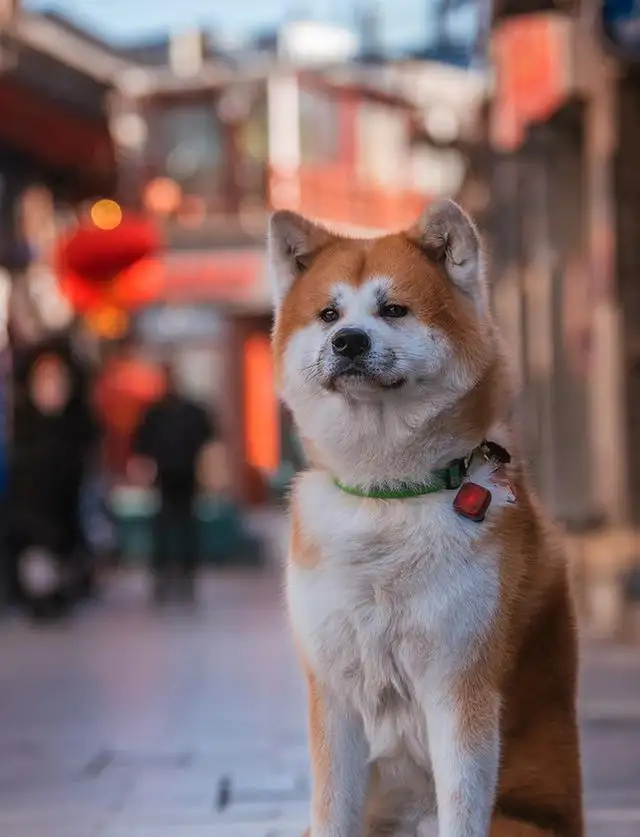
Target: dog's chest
[[399, 594]]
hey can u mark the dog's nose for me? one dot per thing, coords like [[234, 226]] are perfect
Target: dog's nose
[[351, 343]]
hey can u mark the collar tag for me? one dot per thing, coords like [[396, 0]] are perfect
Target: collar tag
[[472, 501]]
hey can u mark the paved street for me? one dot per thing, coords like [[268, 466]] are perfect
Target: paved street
[[128, 724]]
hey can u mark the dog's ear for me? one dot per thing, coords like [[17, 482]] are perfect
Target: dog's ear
[[447, 235], [293, 243]]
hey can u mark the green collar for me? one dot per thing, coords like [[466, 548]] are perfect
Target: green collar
[[439, 480]]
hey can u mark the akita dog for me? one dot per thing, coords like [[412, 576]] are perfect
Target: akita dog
[[427, 592]]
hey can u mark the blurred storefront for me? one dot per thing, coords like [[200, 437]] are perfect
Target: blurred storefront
[[552, 223], [206, 150], [212, 318], [55, 152]]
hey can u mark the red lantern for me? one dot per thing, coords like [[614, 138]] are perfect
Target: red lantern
[[117, 266]]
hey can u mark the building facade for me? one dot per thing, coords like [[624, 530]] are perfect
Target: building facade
[[563, 129]]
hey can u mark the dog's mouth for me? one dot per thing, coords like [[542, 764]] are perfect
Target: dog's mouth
[[355, 376]]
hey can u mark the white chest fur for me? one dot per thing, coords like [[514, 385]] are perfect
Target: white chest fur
[[401, 594]]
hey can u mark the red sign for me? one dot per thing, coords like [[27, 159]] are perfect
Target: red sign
[[532, 58], [215, 276]]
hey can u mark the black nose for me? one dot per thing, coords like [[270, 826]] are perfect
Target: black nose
[[351, 343]]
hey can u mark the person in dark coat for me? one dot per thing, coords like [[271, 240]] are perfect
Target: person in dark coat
[[167, 447], [53, 437], [4, 480]]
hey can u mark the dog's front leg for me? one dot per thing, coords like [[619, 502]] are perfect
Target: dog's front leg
[[339, 763], [464, 744]]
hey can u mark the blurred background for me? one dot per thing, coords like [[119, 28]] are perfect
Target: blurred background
[[142, 146]]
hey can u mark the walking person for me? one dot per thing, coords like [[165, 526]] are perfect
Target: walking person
[[167, 447]]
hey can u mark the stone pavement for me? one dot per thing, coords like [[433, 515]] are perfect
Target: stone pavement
[[125, 723]]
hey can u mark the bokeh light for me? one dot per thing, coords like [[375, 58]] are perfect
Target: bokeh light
[[106, 214], [162, 196]]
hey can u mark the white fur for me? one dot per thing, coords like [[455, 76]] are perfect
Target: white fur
[[465, 778], [349, 768], [400, 600], [402, 348]]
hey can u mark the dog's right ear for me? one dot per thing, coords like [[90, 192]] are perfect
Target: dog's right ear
[[293, 243], [446, 234]]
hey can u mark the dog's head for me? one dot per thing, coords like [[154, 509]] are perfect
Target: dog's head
[[399, 321], [365, 319]]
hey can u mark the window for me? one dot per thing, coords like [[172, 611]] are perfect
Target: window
[[191, 146]]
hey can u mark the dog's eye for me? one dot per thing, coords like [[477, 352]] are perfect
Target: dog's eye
[[329, 315], [393, 312]]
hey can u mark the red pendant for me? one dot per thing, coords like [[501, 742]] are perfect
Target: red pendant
[[472, 501]]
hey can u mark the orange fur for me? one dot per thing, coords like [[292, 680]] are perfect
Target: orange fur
[[320, 755], [303, 552]]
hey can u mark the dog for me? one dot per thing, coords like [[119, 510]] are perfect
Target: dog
[[427, 592]]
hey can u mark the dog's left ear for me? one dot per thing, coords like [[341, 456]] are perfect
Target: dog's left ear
[[447, 235]]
